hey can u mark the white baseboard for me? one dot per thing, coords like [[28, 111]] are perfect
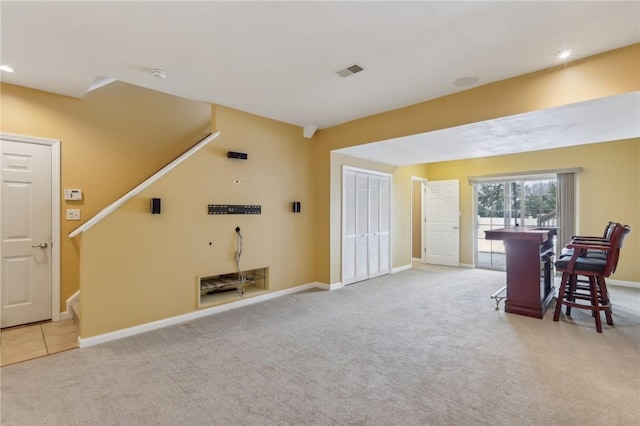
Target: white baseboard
[[619, 283], [72, 299], [143, 328], [329, 287], [467, 265], [67, 314], [416, 259], [401, 268]]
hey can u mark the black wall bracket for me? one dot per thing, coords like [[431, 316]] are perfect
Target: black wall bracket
[[234, 209]]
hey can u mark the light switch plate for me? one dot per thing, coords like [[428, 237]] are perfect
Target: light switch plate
[[73, 214]]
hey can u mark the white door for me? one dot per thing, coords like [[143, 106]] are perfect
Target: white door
[[362, 227], [348, 228], [366, 226], [442, 230], [26, 233], [384, 230], [374, 226]]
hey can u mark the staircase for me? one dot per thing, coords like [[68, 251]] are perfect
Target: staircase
[[73, 306]]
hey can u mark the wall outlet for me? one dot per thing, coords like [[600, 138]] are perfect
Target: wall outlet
[[73, 214]]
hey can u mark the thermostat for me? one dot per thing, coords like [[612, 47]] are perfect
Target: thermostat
[[73, 194]]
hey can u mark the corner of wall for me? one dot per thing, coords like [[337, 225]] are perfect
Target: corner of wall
[[214, 118]]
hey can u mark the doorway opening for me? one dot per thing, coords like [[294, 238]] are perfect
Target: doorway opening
[[417, 218]]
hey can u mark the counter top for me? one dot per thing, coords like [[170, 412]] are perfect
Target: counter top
[[528, 232]]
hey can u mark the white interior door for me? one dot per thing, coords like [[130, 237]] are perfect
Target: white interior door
[[362, 227], [366, 226], [374, 226], [26, 233], [442, 230], [349, 228], [384, 230]]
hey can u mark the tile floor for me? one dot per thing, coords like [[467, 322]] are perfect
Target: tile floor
[[23, 343]]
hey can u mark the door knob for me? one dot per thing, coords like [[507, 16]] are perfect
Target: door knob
[[455, 227], [41, 245]]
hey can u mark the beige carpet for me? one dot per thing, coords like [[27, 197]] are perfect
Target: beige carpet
[[420, 347]]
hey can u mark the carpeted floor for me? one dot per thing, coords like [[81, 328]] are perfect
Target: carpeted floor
[[420, 347]]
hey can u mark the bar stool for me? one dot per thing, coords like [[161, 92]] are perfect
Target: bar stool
[[596, 269], [606, 236]]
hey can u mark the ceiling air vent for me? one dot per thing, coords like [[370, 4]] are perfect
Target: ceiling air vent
[[353, 69]]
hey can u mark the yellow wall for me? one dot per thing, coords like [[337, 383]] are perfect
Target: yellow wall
[[139, 267], [607, 190], [111, 140], [607, 74]]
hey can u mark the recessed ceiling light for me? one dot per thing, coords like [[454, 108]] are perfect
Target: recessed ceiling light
[[563, 54], [6, 68], [466, 81], [158, 73]]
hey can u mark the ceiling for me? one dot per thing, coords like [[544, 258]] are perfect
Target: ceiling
[[279, 59], [601, 120]]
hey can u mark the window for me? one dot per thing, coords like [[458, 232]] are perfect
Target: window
[[530, 201]]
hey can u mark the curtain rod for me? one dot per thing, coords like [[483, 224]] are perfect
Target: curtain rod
[[523, 174]]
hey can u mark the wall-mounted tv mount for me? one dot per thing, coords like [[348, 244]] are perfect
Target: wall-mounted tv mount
[[234, 209]]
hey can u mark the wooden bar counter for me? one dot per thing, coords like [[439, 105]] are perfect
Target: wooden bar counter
[[529, 252]]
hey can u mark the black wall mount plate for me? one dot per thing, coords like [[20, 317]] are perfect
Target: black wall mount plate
[[234, 209]]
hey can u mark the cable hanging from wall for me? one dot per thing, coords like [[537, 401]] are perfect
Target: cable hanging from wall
[[241, 278]]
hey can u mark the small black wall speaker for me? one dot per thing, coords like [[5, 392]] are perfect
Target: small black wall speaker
[[238, 155], [155, 206], [296, 206]]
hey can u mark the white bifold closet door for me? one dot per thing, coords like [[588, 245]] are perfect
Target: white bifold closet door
[[366, 226]]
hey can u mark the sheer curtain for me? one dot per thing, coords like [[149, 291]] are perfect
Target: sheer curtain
[[566, 207]]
